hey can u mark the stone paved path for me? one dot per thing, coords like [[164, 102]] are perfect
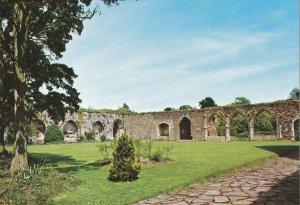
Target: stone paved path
[[275, 181]]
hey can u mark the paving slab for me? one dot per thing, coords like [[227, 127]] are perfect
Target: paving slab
[[276, 181]]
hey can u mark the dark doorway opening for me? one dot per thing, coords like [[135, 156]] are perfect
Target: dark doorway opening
[[185, 129]]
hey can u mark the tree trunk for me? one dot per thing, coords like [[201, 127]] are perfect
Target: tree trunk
[[2, 91], [20, 31]]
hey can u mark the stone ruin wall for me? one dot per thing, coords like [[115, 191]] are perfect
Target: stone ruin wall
[[146, 125]]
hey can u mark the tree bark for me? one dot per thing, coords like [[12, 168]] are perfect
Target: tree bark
[[2, 91], [20, 31]]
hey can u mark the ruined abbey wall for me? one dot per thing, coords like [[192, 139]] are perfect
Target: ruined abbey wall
[[175, 125]]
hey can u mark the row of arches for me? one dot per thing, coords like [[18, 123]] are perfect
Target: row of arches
[[70, 129], [265, 127], [184, 129]]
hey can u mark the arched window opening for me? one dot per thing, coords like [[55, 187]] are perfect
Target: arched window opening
[[118, 128], [98, 128], [265, 126], [70, 127], [163, 130], [239, 127], [216, 127], [185, 129]]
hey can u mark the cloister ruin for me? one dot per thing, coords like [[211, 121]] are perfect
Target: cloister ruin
[[198, 124]]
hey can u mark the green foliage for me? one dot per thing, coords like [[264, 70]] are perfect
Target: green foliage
[[294, 94], [32, 174], [239, 127], [103, 137], [207, 102], [241, 101], [30, 131], [90, 135], [124, 167], [265, 124], [185, 107], [105, 151], [157, 155], [168, 109], [148, 149], [53, 134]]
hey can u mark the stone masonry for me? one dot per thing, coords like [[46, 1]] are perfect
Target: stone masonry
[[185, 124]]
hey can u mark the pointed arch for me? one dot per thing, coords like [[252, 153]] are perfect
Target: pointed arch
[[239, 126], [216, 127], [265, 126], [185, 129], [118, 128]]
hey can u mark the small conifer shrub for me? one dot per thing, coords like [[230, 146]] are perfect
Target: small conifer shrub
[[124, 167]]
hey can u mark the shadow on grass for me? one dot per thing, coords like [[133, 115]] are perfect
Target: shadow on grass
[[70, 164], [283, 150]]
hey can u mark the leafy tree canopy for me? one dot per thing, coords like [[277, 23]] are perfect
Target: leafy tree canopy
[[241, 101], [294, 94], [207, 102], [167, 109], [185, 107]]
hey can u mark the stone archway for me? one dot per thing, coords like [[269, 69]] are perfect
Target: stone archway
[[216, 128], [70, 130], [118, 128], [98, 128], [265, 126], [39, 136], [239, 127], [296, 130], [163, 130], [185, 129]]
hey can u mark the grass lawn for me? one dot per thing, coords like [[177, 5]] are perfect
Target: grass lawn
[[193, 161]]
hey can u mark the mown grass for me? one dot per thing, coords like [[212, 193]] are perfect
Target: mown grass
[[192, 161]]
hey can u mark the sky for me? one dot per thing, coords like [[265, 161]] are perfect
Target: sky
[[153, 54]]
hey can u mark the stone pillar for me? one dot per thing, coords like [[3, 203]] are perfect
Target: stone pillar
[[205, 129], [251, 129], [278, 131], [227, 129]]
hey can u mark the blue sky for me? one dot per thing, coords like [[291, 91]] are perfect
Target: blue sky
[[153, 54]]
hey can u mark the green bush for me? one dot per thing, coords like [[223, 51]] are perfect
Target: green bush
[[103, 137], [90, 135], [105, 152], [157, 156], [54, 134], [124, 167]]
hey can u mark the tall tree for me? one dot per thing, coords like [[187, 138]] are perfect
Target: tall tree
[[48, 24], [241, 101], [207, 102]]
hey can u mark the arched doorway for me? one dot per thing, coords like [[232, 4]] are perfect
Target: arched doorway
[[39, 136], [185, 129], [265, 126], [163, 129], [98, 128], [296, 130], [118, 128], [239, 127], [216, 128], [70, 130]]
